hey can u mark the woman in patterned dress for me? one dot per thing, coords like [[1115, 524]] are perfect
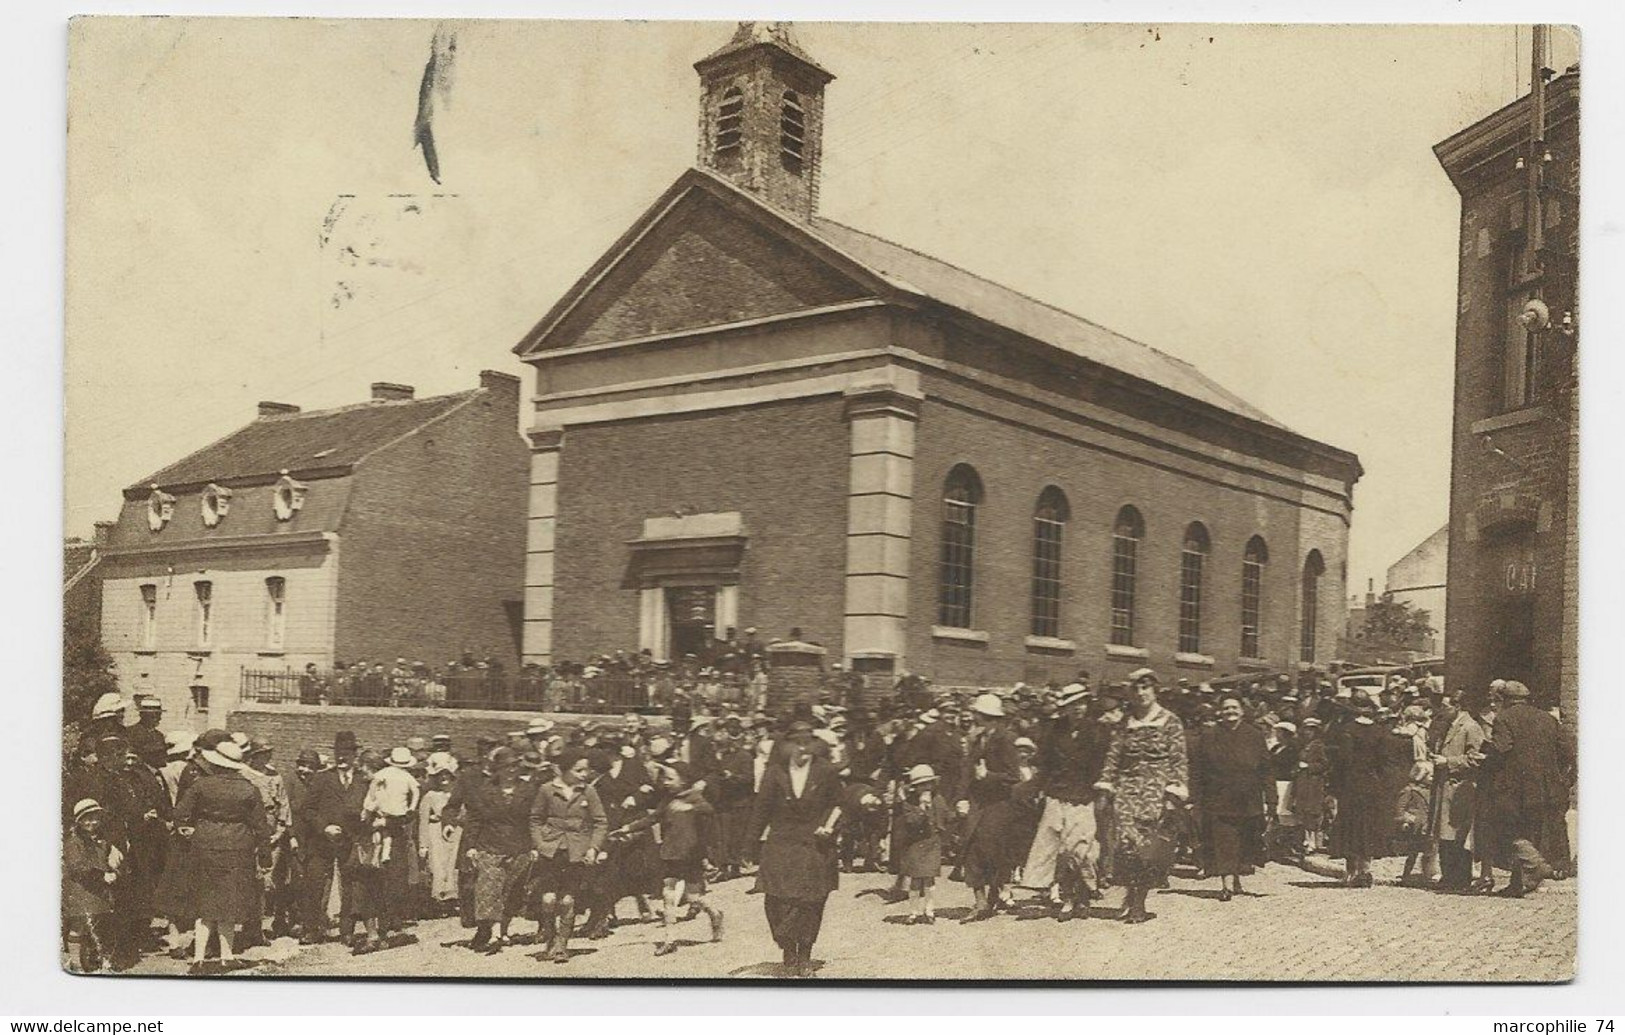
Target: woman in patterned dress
[[497, 840], [1145, 766]]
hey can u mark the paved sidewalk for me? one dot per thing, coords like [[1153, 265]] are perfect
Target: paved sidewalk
[[1291, 925]]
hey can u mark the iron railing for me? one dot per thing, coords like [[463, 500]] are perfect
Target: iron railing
[[606, 693]]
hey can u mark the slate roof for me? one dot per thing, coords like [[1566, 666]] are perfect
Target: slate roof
[[923, 275], [321, 439]]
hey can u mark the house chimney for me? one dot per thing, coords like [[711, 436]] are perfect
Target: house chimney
[[384, 391], [103, 534], [275, 409], [498, 380], [1370, 592]]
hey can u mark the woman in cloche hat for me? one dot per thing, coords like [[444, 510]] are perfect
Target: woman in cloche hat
[[922, 819], [223, 819], [990, 840]]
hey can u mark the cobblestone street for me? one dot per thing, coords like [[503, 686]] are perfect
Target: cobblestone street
[[1293, 924]]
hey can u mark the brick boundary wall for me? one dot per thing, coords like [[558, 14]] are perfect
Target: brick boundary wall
[[293, 727]]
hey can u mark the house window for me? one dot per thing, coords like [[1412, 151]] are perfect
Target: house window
[[1127, 532], [216, 501], [730, 123], [1191, 558], [1313, 568], [276, 595], [149, 617], [1521, 359], [204, 633], [1252, 595], [960, 497], [792, 131], [1049, 524], [288, 498], [160, 508]]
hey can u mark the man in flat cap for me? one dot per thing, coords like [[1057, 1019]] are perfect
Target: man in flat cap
[[1525, 759]]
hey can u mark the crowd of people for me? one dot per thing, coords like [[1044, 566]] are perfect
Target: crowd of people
[[727, 670], [197, 846]]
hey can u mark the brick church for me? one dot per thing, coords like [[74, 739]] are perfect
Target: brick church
[[749, 415]]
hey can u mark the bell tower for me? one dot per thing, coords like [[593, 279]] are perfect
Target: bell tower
[[762, 116]]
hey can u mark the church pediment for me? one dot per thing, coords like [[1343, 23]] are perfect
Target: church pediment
[[701, 259]]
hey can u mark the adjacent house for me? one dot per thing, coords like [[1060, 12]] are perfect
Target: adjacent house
[[391, 528]]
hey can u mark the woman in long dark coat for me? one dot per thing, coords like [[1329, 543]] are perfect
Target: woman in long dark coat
[[993, 822], [1145, 766], [174, 897], [496, 840], [1362, 809], [1234, 783], [223, 817], [797, 808]]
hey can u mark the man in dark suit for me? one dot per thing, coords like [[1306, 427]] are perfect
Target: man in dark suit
[[797, 808], [328, 829], [730, 787], [1525, 757], [293, 904]]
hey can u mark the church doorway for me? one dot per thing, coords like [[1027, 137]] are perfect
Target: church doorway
[[1512, 639], [1511, 607], [691, 610]]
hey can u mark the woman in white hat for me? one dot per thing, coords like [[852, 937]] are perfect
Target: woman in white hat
[[223, 818], [438, 844], [917, 833], [993, 846]]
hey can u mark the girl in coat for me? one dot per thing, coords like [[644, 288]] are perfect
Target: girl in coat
[[90, 865], [921, 822], [1411, 813], [687, 825], [1309, 786]]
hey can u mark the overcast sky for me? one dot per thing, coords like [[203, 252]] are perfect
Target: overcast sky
[[1262, 202]]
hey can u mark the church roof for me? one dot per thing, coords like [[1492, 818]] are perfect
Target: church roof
[[764, 34], [319, 440], [943, 282]]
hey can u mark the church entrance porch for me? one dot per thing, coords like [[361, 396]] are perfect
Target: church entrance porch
[[687, 570]]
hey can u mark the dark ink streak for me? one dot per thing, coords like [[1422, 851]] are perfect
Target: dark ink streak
[[435, 84]]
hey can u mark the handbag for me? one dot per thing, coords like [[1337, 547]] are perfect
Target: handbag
[[369, 855]]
